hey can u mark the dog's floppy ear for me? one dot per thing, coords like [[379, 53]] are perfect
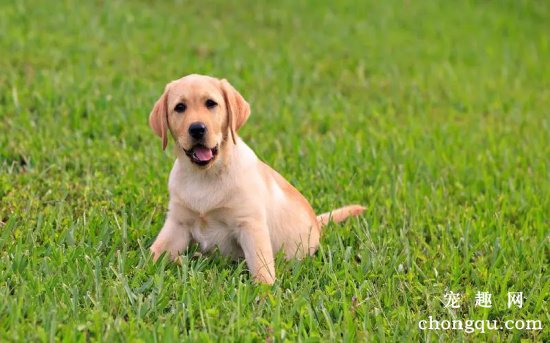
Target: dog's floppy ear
[[238, 110], [158, 119]]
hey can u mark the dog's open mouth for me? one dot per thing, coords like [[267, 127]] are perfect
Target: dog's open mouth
[[202, 155]]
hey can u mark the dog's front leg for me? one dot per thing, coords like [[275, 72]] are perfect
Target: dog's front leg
[[256, 245], [173, 238]]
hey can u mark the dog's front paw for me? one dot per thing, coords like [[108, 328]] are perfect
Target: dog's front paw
[[157, 250], [263, 280], [264, 277]]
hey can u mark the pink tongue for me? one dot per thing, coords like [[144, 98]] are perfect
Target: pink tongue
[[203, 154]]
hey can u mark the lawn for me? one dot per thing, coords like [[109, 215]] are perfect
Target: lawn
[[433, 114]]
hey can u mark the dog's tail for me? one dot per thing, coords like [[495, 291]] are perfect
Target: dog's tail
[[339, 214]]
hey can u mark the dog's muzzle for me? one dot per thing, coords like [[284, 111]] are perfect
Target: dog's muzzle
[[202, 155]]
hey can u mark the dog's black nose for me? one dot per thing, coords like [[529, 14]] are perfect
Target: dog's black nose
[[197, 130]]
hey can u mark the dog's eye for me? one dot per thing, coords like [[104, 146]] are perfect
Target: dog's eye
[[210, 103], [180, 107]]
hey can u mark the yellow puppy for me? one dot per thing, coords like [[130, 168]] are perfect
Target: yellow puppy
[[221, 194]]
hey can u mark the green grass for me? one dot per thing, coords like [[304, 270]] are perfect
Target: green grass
[[434, 115]]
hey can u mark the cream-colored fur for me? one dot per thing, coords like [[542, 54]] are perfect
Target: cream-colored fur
[[236, 203]]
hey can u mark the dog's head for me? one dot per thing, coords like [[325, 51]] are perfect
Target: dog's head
[[202, 113]]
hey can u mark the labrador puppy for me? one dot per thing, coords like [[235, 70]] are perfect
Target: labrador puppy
[[221, 194]]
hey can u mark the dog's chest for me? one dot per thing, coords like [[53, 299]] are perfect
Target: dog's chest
[[212, 231], [199, 194], [204, 201]]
